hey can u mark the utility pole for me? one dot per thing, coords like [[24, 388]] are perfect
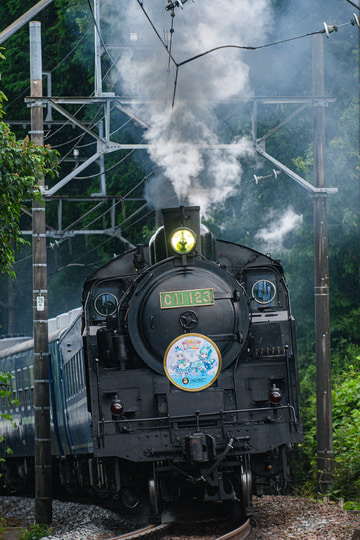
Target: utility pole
[[98, 49], [43, 500], [325, 453]]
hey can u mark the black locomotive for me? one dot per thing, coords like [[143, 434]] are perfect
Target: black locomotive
[[191, 367], [185, 384]]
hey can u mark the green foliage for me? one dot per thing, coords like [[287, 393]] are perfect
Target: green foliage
[[351, 505], [147, 233], [346, 424], [35, 532], [346, 430], [2, 95], [21, 165], [2, 526]]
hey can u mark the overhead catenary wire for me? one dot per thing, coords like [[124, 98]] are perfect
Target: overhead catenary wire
[[127, 194], [230, 46], [95, 249], [109, 169], [122, 198], [353, 4], [80, 146]]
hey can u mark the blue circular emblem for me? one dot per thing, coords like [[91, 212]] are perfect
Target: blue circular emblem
[[192, 362]]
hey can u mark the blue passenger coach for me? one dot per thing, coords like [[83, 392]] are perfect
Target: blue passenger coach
[[70, 419]]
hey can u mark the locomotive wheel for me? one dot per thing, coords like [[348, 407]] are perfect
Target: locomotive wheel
[[246, 482], [237, 511], [154, 499], [129, 499]]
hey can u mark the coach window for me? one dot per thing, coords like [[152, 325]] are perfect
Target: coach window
[[20, 387], [31, 375], [74, 375], [13, 390], [66, 379], [70, 378], [26, 377], [81, 369], [77, 364]]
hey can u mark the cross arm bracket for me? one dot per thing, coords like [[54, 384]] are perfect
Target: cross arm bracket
[[260, 148]]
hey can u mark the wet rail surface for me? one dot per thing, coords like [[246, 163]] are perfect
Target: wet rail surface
[[162, 531]]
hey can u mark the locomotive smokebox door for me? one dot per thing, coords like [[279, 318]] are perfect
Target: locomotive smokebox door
[[171, 300]]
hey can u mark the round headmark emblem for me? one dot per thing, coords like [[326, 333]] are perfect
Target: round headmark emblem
[[192, 362]]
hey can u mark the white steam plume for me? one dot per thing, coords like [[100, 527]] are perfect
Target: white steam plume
[[275, 233], [177, 135]]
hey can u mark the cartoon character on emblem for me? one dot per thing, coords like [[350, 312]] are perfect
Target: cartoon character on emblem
[[205, 353], [198, 366], [183, 365]]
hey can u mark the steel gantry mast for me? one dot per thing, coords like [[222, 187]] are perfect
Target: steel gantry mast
[[319, 193]]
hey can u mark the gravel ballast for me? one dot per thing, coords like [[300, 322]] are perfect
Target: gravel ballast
[[283, 518], [279, 518]]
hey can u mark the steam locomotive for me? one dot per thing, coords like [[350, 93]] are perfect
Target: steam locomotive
[[177, 379]]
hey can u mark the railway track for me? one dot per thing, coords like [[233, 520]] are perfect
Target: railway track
[[153, 532], [159, 532], [242, 532]]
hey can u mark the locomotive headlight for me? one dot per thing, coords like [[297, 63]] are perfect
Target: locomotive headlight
[[183, 241]]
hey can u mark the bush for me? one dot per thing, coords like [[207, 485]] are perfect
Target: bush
[[346, 430], [35, 532]]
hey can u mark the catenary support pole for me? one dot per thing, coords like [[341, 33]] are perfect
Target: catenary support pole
[[325, 454], [98, 51], [43, 500]]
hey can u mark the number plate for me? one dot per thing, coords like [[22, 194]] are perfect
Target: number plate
[[196, 297]]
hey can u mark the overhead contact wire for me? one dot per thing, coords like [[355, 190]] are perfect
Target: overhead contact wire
[[244, 47], [156, 32]]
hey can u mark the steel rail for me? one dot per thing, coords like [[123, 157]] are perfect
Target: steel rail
[[240, 533], [150, 531], [157, 531]]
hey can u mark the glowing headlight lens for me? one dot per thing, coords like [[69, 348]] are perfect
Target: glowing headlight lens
[[183, 241]]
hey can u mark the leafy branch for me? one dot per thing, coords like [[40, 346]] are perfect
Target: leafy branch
[[22, 163]]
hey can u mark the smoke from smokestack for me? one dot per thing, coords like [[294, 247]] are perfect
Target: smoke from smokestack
[[182, 139]]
